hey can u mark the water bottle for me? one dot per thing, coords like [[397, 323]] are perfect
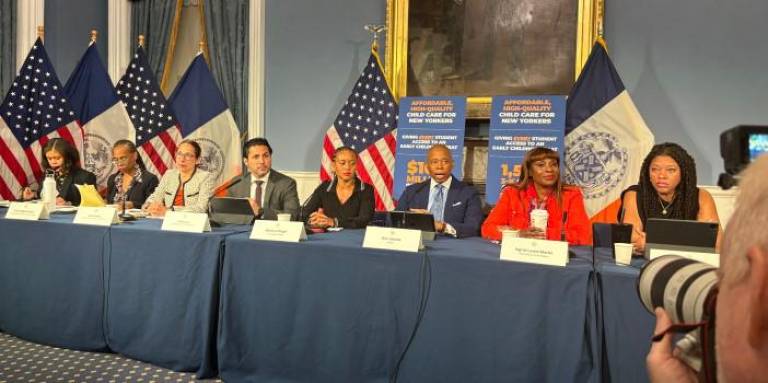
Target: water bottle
[[48, 193]]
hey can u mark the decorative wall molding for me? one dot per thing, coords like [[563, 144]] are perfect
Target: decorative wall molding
[[119, 38], [306, 182], [256, 83], [725, 201], [30, 14]]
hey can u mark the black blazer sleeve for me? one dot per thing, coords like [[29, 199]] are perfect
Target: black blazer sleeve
[[364, 214], [140, 192], [404, 203], [78, 177], [314, 202]]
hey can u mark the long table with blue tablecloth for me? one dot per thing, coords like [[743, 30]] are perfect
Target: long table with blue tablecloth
[[328, 310], [325, 309], [131, 288], [626, 327], [52, 282]]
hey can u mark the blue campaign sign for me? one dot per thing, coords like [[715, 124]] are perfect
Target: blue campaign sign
[[519, 124], [423, 122]]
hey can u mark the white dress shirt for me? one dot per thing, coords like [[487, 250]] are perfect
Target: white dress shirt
[[433, 192]]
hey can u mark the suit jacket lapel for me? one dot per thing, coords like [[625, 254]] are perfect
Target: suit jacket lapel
[[423, 198], [270, 188], [453, 191], [244, 188]]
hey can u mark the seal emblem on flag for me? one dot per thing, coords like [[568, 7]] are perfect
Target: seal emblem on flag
[[596, 162], [212, 157], [97, 157]]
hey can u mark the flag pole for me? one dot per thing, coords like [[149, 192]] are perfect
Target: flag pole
[[141, 41], [94, 34], [41, 32]]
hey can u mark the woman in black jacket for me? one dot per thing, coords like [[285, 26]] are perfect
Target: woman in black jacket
[[132, 182], [61, 158]]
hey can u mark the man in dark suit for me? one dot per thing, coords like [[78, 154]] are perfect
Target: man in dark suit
[[455, 205], [269, 191]]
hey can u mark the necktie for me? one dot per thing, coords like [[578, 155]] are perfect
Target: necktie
[[437, 203], [257, 192]]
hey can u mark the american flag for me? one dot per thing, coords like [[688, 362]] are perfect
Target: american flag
[[34, 111], [367, 124], [157, 130]]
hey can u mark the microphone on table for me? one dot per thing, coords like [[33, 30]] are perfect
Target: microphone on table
[[303, 206], [124, 216]]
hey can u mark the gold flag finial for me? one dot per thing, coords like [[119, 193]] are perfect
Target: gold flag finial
[[141, 40], [94, 34], [40, 32], [375, 30], [200, 47]]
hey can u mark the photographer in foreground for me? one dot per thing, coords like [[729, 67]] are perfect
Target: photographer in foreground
[[741, 327]]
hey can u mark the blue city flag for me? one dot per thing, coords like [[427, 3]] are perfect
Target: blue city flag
[[205, 117], [104, 118]]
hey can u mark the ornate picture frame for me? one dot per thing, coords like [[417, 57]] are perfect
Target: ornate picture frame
[[446, 47]]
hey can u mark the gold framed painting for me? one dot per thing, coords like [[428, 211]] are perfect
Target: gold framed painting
[[484, 48]]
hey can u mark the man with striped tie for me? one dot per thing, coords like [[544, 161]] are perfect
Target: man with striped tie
[[454, 204]]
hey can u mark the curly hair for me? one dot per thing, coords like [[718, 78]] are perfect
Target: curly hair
[[686, 201]]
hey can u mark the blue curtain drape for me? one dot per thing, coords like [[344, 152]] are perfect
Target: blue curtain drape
[[7, 44], [154, 19], [226, 27]]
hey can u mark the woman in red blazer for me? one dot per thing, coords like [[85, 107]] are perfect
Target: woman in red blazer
[[540, 187]]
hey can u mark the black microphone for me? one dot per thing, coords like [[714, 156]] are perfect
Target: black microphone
[[303, 206], [562, 228], [124, 216]]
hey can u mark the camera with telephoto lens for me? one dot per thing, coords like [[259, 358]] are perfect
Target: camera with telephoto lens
[[687, 291]]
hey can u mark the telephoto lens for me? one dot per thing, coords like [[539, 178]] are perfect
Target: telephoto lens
[[679, 285], [686, 289]]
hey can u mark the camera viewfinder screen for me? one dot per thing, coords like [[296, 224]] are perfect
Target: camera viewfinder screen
[[758, 144]]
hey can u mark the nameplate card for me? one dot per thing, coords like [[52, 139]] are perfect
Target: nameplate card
[[283, 231], [186, 222], [27, 211], [709, 258], [99, 216], [539, 251], [389, 238]]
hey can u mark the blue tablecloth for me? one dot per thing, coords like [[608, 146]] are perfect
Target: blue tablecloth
[[627, 326], [162, 295], [326, 310], [52, 281]]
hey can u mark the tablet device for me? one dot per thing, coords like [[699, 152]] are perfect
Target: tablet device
[[680, 232], [411, 220], [229, 210]]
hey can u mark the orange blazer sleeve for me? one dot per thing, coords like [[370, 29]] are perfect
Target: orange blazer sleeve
[[578, 228], [509, 211]]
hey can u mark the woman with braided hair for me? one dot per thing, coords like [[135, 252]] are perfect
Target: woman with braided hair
[[666, 189]]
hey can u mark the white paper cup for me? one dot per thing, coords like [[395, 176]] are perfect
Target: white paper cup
[[509, 233], [284, 217], [623, 252], [539, 219]]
